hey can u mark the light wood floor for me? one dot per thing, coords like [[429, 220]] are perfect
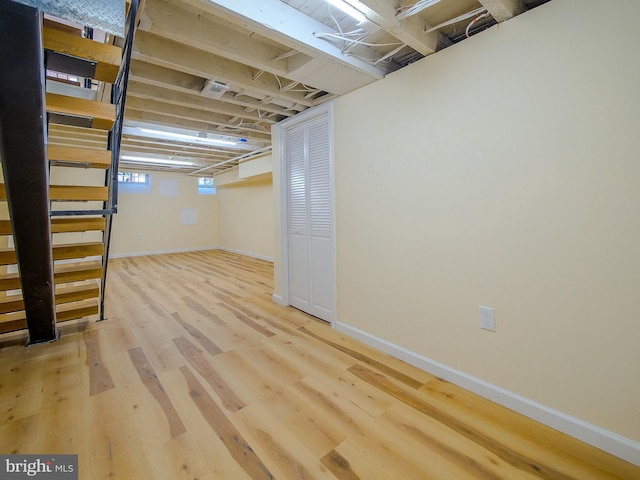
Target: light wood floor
[[197, 374]]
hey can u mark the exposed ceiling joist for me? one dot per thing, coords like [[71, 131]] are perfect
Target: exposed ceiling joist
[[149, 74], [140, 90], [294, 29], [193, 27], [410, 31], [503, 10], [166, 53], [204, 126], [158, 106]]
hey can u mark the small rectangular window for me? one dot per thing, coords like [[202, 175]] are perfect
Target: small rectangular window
[[133, 177], [206, 186]]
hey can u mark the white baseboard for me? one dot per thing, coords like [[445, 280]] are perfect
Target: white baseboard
[[161, 252], [610, 442], [278, 299], [246, 254], [192, 249]]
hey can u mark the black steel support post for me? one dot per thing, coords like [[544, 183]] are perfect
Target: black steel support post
[[118, 98], [24, 161]]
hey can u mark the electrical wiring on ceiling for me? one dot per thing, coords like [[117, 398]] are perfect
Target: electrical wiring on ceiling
[[389, 56], [410, 10], [287, 54], [474, 21], [457, 19], [354, 38], [358, 42]]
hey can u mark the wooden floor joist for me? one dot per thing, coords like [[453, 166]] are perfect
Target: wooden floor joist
[[199, 374], [78, 156], [103, 115]]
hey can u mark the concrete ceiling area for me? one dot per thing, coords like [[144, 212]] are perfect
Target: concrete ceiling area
[[209, 78]]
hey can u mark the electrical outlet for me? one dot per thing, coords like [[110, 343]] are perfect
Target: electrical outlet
[[487, 318]]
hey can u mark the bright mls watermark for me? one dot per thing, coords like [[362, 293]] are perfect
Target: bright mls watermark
[[50, 467]]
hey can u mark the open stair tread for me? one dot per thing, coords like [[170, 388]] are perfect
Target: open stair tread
[[77, 224], [102, 115], [78, 156], [65, 251], [107, 57], [64, 225], [63, 294], [70, 193], [11, 322], [65, 273], [77, 250], [82, 193]]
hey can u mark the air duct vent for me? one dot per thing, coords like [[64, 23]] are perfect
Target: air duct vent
[[214, 89]]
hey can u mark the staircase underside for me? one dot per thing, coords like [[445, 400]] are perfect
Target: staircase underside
[[107, 16]]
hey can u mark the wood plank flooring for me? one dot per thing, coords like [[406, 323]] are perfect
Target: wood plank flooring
[[197, 374]]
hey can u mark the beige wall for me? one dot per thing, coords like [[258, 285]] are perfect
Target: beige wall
[[246, 217], [152, 223], [504, 172]]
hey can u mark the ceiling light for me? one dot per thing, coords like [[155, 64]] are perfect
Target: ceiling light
[[348, 9], [155, 160], [190, 138]]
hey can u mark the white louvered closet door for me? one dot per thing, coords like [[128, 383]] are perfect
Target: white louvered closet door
[[310, 218]]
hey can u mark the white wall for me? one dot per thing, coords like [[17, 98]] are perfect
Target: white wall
[[246, 217], [503, 171], [151, 221]]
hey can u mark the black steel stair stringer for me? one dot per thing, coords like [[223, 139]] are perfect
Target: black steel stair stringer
[[24, 161]]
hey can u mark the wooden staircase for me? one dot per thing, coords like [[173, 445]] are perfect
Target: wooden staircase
[[79, 194]]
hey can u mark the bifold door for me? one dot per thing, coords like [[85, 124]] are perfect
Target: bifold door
[[310, 217]]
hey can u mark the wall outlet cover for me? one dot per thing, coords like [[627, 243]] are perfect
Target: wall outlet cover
[[487, 318]]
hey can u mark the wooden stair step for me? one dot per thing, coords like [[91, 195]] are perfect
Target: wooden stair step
[[107, 57], [60, 252], [73, 30], [64, 294], [72, 272], [10, 322], [100, 115], [5, 227], [72, 193], [64, 225], [58, 193], [77, 250], [65, 273], [78, 157], [76, 224]]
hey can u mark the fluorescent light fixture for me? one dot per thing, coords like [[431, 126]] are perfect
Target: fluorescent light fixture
[[155, 160], [348, 9], [189, 138]]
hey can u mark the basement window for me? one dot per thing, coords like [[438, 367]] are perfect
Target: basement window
[[133, 177], [206, 186]]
